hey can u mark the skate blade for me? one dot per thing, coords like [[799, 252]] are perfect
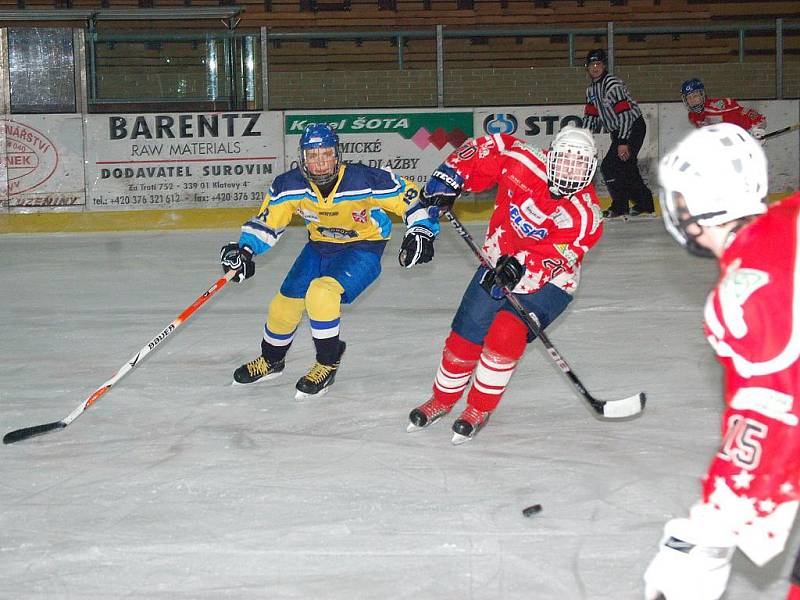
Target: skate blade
[[304, 396], [459, 439], [412, 427], [262, 380]]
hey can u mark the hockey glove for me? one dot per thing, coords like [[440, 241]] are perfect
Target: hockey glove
[[442, 189], [507, 273], [236, 258], [693, 563], [417, 246]]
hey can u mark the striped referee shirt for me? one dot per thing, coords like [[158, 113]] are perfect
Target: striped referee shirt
[[609, 104]]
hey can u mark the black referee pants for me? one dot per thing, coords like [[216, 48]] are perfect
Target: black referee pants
[[622, 178]]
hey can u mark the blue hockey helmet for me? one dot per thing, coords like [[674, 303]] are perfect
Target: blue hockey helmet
[[314, 137], [691, 86], [598, 54]]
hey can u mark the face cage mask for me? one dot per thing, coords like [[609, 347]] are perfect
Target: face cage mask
[[697, 108], [677, 220], [569, 172], [325, 178]]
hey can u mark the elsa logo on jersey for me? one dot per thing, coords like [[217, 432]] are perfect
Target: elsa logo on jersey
[[500, 123], [524, 227]]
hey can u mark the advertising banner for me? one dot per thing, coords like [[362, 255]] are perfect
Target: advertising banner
[[41, 163], [410, 143], [181, 160], [537, 125]]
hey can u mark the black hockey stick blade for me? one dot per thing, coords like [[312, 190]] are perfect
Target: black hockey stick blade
[[28, 432], [778, 132]]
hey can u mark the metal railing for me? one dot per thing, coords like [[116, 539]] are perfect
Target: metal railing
[[236, 72]]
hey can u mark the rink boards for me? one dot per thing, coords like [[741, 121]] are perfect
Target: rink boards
[[206, 170]]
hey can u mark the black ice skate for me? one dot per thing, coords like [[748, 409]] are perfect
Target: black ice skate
[[427, 414], [610, 214], [469, 423], [319, 378], [259, 369]]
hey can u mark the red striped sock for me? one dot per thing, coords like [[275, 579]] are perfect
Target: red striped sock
[[458, 362]]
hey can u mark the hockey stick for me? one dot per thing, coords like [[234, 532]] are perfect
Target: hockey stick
[[28, 432], [609, 409], [778, 132]]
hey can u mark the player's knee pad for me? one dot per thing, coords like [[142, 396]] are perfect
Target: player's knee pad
[[324, 299], [284, 314], [460, 350], [507, 336]]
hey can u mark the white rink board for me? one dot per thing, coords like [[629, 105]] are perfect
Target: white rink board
[[783, 151], [139, 166], [667, 123], [182, 160], [41, 163]]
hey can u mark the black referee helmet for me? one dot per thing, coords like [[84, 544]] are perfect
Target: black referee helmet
[[596, 54]]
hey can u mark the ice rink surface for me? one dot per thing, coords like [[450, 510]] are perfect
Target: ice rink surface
[[177, 485]]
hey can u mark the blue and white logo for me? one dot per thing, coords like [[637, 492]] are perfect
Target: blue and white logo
[[500, 123], [524, 227]]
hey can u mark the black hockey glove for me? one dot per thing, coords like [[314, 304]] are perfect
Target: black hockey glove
[[507, 273], [442, 189], [417, 246], [236, 258]]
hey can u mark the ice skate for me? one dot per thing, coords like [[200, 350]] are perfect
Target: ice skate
[[642, 213], [427, 414], [318, 379], [610, 214], [469, 423], [259, 369]]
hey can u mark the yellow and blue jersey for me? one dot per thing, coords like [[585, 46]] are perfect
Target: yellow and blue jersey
[[354, 211]]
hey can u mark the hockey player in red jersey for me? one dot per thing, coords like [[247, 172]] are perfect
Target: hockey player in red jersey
[[714, 188], [546, 217], [708, 111]]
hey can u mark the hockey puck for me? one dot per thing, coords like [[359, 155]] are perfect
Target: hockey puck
[[532, 510]]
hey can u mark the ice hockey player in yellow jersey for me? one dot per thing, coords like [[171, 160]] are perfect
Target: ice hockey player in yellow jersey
[[344, 206]]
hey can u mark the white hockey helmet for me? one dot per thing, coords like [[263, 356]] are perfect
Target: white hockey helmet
[[571, 161], [716, 174]]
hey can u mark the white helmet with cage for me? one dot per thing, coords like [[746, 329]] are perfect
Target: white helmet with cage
[[571, 161], [716, 174]]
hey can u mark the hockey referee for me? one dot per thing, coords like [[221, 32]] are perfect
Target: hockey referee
[[610, 108]]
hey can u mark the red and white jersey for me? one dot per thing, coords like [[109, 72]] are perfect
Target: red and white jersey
[[725, 110], [548, 235], [750, 320]]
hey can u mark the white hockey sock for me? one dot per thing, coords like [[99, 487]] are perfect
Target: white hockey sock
[[491, 378]]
